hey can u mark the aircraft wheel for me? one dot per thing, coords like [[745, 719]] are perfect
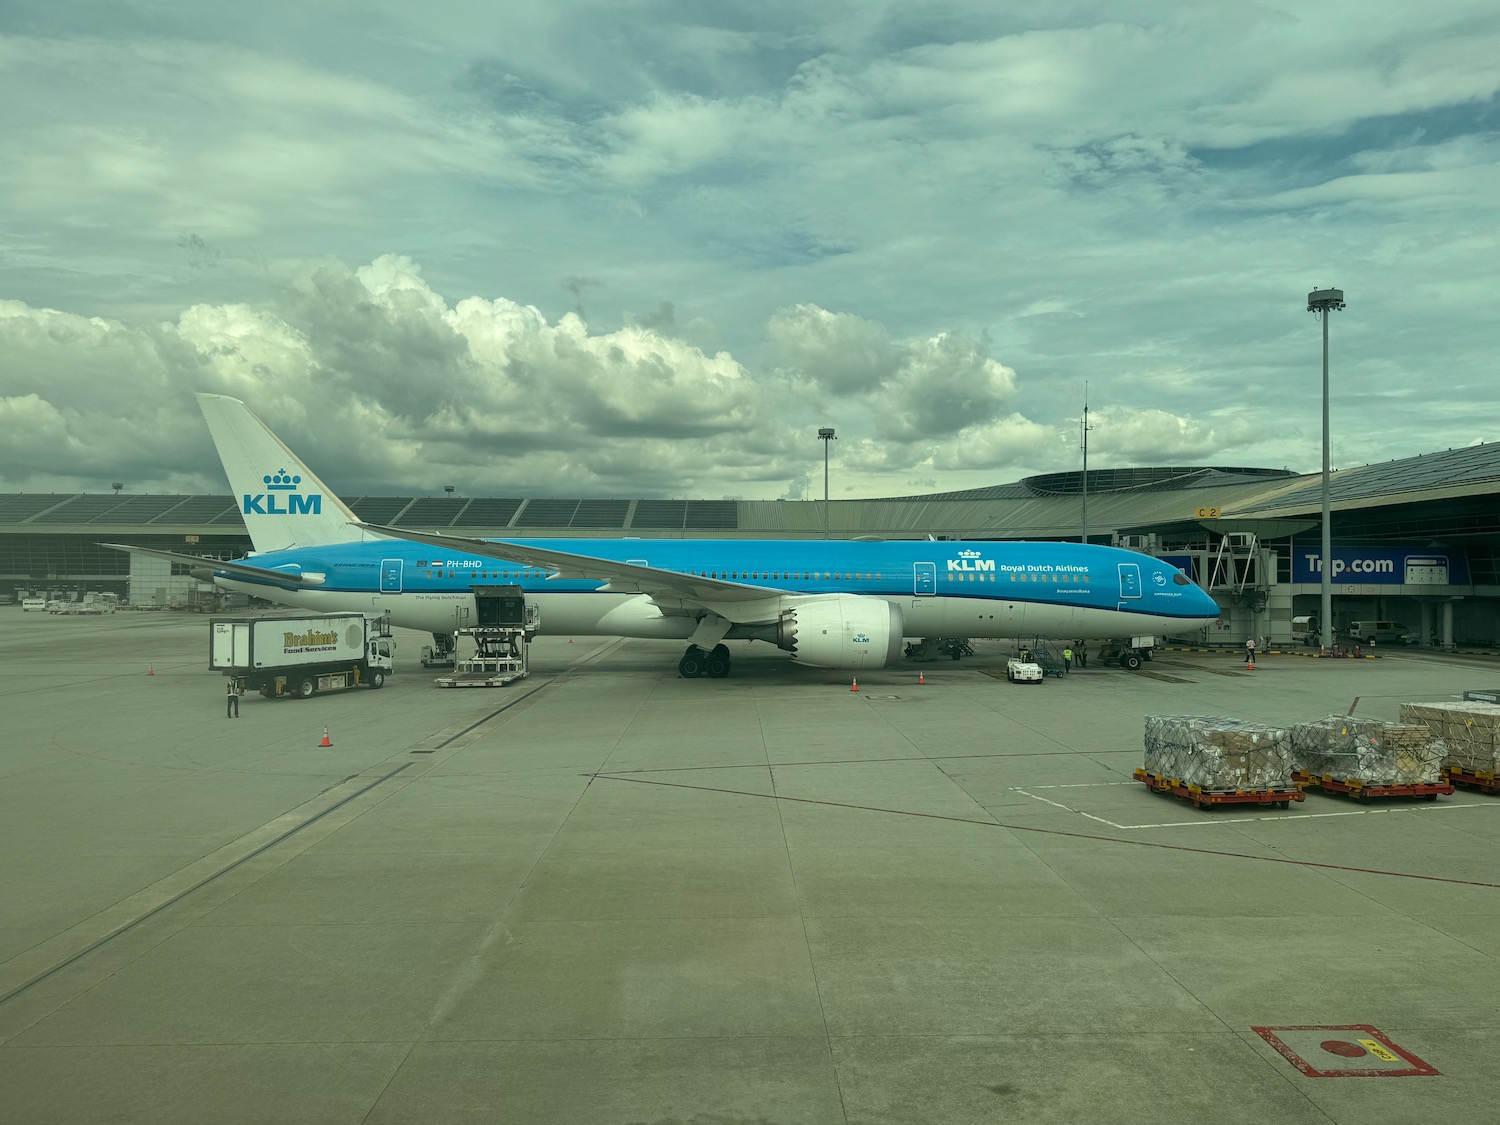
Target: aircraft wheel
[[692, 664], [718, 663]]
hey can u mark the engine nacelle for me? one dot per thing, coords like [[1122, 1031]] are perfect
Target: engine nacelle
[[841, 631]]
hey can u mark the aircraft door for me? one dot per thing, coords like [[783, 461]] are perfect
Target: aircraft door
[[924, 578], [1130, 581], [390, 576]]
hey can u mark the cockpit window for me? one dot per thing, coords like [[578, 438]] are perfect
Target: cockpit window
[[1181, 579]]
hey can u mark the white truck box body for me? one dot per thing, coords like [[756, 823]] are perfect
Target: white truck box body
[[242, 644]]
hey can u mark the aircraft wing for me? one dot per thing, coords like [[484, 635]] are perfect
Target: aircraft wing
[[289, 580], [663, 586]]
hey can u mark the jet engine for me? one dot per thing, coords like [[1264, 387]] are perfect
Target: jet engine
[[841, 631]]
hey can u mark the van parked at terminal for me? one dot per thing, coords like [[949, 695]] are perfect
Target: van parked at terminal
[[1381, 632]]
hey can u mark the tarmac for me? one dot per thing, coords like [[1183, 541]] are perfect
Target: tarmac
[[609, 895]]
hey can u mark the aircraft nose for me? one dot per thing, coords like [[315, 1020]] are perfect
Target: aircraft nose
[[1207, 606]]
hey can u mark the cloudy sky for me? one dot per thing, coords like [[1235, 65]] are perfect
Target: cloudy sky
[[616, 248]]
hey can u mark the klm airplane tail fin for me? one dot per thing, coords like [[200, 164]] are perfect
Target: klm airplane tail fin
[[281, 500]]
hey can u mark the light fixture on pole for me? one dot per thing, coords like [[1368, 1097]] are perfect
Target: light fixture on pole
[[825, 435], [1321, 302]]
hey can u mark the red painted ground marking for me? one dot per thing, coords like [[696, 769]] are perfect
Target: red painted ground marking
[[1050, 831], [1339, 1047], [1376, 1045]]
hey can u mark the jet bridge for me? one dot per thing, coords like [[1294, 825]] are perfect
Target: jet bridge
[[504, 625]]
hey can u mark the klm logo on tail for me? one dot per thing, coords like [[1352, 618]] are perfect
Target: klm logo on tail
[[266, 503]]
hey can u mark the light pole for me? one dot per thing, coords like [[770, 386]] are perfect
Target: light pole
[[1321, 302], [825, 435], [1084, 432]]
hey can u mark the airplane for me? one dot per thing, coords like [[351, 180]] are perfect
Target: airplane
[[846, 604]]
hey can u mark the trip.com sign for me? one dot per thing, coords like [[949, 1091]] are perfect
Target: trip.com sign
[[1384, 566]]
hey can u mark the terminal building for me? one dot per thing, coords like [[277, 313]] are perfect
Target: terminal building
[[1415, 541]]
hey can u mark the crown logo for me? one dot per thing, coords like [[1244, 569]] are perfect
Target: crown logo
[[968, 554], [282, 481]]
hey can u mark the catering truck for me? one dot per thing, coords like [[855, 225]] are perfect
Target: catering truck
[[301, 656]]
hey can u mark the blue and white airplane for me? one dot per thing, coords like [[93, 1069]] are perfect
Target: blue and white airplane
[[829, 603]]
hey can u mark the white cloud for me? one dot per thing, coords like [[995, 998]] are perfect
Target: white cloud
[[839, 352], [1158, 437], [926, 225]]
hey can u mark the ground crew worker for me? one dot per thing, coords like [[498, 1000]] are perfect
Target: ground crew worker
[[232, 698], [1250, 651], [1067, 660], [1083, 655]]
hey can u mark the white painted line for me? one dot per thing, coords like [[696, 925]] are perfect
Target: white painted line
[[1044, 800], [1219, 818]]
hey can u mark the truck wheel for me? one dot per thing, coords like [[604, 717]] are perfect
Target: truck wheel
[[307, 687], [377, 677], [1130, 661]]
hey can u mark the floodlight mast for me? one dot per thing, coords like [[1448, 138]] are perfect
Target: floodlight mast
[[1321, 302], [825, 435]]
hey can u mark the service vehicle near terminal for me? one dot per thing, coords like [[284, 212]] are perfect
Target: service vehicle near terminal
[[302, 655], [1382, 632]]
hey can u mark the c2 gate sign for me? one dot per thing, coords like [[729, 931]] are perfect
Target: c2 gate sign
[[1382, 566]]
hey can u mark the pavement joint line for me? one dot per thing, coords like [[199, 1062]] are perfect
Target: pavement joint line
[[870, 762], [493, 714], [178, 896], [1310, 863], [581, 662]]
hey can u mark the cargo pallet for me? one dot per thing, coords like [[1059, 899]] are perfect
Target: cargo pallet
[[1481, 780], [1203, 798], [1427, 790]]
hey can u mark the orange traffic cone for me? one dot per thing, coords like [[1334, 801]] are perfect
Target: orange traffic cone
[[326, 740], [1250, 665], [855, 685], [920, 678], [150, 671]]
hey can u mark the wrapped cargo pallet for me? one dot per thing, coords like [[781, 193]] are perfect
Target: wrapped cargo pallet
[[1469, 730], [1218, 754], [1368, 751]]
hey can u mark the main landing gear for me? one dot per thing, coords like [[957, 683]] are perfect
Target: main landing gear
[[695, 662]]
